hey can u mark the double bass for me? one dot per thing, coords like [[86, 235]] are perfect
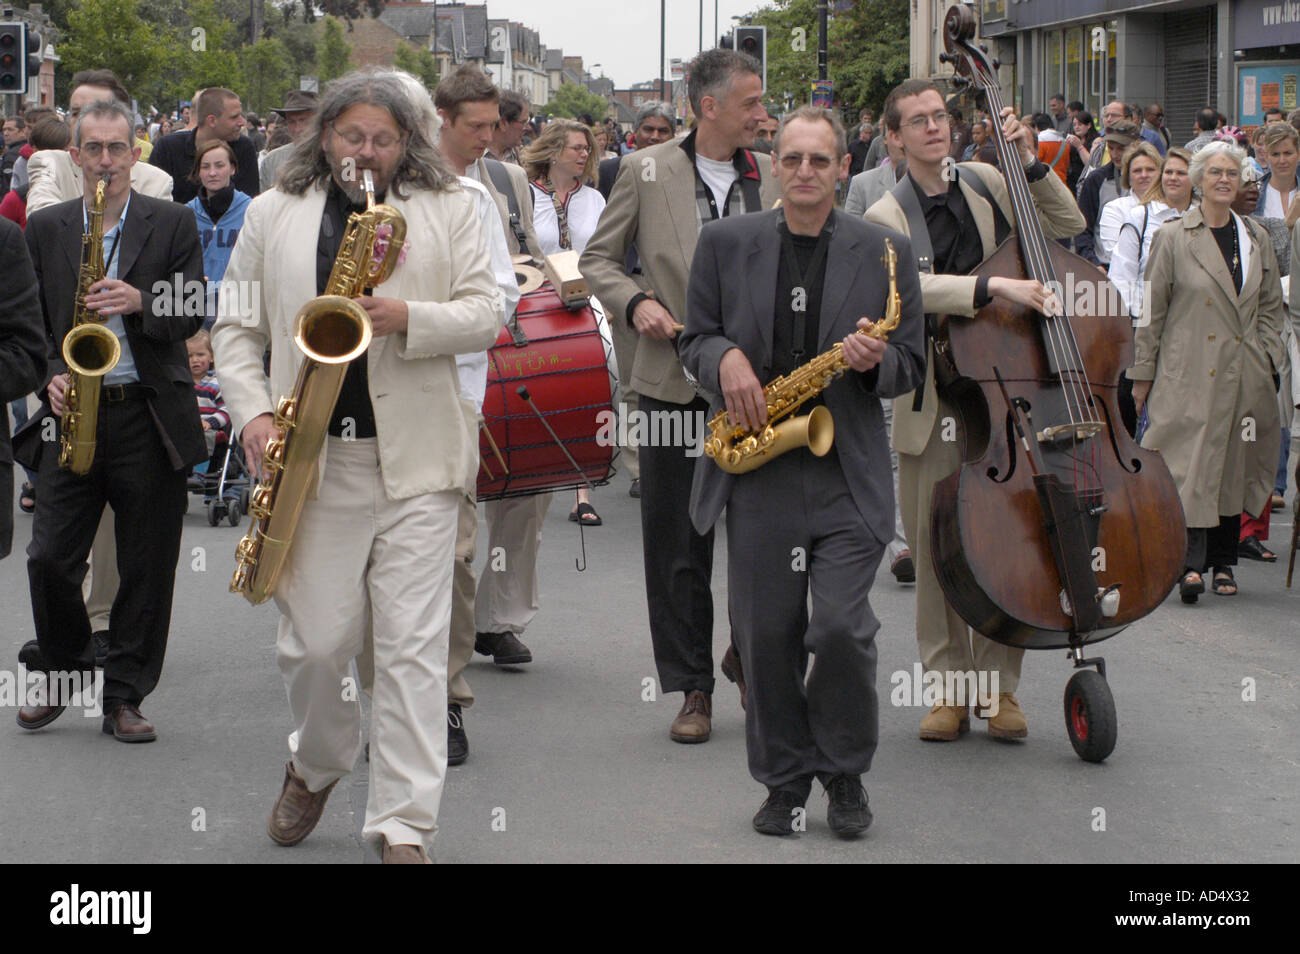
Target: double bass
[[1057, 530]]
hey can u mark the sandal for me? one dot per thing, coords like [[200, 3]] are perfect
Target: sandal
[[587, 514], [1191, 586], [27, 498], [1224, 583]]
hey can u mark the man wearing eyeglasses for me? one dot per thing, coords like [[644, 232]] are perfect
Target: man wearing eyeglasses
[[962, 212], [220, 115], [148, 430], [375, 544], [662, 197], [509, 131], [768, 293]]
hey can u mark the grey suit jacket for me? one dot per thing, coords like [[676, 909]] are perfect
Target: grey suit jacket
[[866, 188], [732, 304]]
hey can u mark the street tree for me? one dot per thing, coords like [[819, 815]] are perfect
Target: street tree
[[572, 100]]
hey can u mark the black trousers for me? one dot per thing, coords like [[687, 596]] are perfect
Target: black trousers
[[133, 475], [1128, 411], [1208, 547], [794, 530], [678, 561]]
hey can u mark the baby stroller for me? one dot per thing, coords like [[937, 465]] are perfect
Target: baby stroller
[[224, 482]]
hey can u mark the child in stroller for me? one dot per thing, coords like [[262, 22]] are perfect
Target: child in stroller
[[223, 480]]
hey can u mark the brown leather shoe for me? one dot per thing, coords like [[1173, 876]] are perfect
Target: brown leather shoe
[[297, 810], [694, 722], [732, 670], [1010, 722], [36, 717], [945, 723], [126, 724], [404, 854]]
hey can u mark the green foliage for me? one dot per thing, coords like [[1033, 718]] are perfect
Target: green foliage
[[268, 74], [572, 100], [210, 55], [867, 51], [111, 33], [334, 56], [419, 63]]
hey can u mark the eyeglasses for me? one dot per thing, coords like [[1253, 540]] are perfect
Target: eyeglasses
[[793, 160], [1223, 173], [382, 143], [117, 150], [583, 148], [920, 122]]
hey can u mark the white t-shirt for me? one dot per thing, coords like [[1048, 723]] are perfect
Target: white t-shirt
[[718, 176], [584, 208], [1273, 201]]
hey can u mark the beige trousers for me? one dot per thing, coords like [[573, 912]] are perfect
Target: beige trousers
[[945, 642], [462, 605], [507, 597], [99, 588], [362, 561]]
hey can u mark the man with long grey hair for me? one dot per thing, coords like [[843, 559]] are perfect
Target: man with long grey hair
[[373, 549]]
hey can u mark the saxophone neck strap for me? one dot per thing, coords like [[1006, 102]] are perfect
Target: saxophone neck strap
[[796, 281]]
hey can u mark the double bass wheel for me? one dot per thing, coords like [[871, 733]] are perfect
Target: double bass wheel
[[1090, 715]]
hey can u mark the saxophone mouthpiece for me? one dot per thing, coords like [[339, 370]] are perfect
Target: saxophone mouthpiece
[[106, 178]]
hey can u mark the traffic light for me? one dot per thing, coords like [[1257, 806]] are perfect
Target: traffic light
[[19, 56], [753, 40]]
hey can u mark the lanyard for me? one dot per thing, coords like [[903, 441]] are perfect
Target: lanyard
[[790, 265]]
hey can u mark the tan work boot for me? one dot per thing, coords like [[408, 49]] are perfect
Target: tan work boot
[[1010, 722], [945, 723], [694, 722], [404, 854], [297, 810]]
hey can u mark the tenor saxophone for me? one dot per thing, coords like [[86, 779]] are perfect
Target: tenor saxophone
[[738, 450], [89, 350], [331, 331]]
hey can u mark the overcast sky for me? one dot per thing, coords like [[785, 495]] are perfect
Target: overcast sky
[[622, 35]]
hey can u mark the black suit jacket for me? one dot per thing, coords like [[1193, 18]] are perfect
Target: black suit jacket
[[731, 303], [174, 154], [22, 356], [160, 255], [607, 172]]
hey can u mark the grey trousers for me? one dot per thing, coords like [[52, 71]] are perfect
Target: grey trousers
[[793, 529]]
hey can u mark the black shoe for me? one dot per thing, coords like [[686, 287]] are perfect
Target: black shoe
[[848, 813], [903, 568], [30, 656], [1250, 548], [635, 489], [457, 740], [504, 648], [776, 816], [100, 639]]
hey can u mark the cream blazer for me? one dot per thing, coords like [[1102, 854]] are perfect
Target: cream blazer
[[55, 178], [427, 432]]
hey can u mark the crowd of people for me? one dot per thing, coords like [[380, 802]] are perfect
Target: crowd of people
[[680, 233]]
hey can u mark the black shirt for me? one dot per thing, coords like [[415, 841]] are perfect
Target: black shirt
[[354, 399], [954, 236], [784, 359], [858, 151], [1226, 236], [174, 155], [217, 204]]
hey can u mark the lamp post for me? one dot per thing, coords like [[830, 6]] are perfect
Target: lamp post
[[663, 17]]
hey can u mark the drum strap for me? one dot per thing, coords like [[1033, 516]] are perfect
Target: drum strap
[[501, 181]]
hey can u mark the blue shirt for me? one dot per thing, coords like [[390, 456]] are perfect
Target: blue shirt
[[124, 371]]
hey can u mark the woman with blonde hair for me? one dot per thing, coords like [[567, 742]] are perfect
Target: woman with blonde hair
[[1139, 170], [1206, 364], [558, 163]]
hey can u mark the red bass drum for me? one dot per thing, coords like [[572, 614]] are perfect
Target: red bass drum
[[566, 363]]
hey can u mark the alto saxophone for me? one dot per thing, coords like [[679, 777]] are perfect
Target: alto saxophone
[[331, 331], [738, 451], [89, 350]]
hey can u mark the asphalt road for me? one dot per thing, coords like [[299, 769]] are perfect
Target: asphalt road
[[579, 767]]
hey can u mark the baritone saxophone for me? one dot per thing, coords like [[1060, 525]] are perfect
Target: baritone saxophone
[[89, 350], [331, 331], [738, 451]]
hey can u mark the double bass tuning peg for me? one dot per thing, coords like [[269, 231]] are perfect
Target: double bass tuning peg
[[960, 82], [997, 64], [984, 47], [945, 58]]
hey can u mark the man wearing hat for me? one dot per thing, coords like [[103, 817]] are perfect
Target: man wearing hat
[[297, 111], [1102, 185]]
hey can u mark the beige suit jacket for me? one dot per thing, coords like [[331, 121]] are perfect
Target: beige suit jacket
[[955, 294], [653, 205], [55, 178], [426, 430], [524, 196]]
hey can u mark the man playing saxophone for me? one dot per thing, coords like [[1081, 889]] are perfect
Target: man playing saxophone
[[143, 431], [768, 293], [374, 546]]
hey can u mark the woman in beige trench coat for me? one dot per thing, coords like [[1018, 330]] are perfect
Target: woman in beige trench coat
[[1206, 365]]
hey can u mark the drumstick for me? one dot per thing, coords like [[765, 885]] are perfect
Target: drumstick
[[678, 327], [493, 444]]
